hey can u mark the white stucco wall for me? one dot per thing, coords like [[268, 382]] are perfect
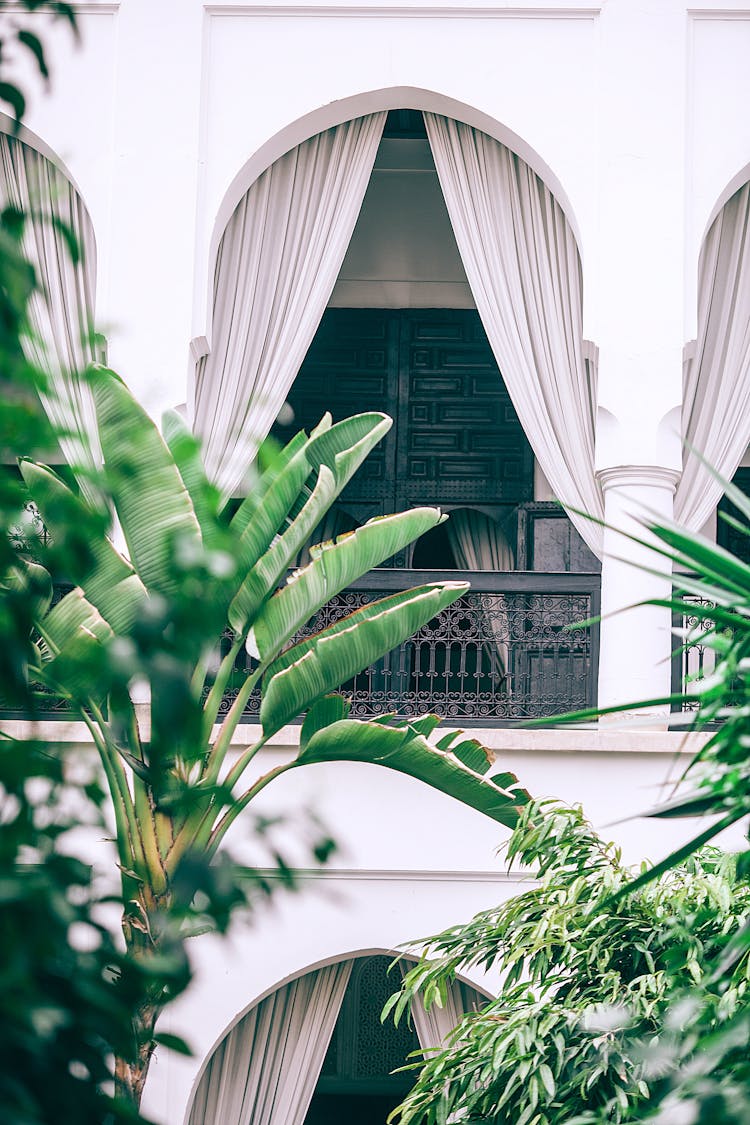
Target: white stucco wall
[[635, 114]]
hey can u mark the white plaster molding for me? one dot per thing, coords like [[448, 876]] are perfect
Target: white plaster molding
[[401, 11], [84, 8], [719, 13], [397, 875], [639, 476], [199, 347], [627, 739]]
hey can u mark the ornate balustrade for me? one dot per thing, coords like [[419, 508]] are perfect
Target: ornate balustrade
[[502, 653], [505, 652], [691, 659]]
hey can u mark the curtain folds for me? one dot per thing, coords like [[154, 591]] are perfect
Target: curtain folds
[[479, 543], [523, 266], [62, 312], [264, 1072], [277, 264], [433, 1026], [716, 385]]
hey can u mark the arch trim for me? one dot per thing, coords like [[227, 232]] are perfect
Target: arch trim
[[334, 959]]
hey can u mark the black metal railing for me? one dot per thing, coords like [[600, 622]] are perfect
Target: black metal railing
[[691, 659], [502, 653]]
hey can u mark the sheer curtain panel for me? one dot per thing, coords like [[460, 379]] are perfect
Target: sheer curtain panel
[[62, 311], [479, 543], [434, 1025], [264, 1072], [716, 386], [523, 266], [277, 264]]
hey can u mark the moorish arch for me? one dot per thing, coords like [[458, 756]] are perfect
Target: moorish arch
[[715, 415], [361, 104], [35, 181], [280, 252], [314, 1049]]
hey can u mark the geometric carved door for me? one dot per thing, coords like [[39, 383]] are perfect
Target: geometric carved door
[[456, 438]]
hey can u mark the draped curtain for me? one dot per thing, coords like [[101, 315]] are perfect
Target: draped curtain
[[277, 264], [478, 543], [523, 266], [434, 1025], [716, 384], [61, 313], [264, 1072]]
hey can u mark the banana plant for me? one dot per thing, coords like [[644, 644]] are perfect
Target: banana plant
[[191, 572]]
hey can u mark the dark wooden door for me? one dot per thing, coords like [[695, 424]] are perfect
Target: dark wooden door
[[459, 438], [456, 439]]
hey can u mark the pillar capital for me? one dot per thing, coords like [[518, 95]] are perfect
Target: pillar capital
[[638, 476]]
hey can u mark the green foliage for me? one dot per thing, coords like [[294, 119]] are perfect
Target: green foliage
[[196, 572], [14, 34], [595, 986], [67, 991]]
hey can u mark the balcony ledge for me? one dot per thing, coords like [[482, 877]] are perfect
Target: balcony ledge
[[629, 738]]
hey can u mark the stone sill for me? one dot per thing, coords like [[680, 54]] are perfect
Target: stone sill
[[626, 737]]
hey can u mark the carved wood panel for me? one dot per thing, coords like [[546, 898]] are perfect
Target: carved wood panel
[[456, 438], [352, 367], [459, 438]]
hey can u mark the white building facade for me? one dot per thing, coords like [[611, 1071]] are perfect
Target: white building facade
[[630, 123]]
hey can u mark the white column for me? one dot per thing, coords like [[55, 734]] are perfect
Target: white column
[[635, 640]]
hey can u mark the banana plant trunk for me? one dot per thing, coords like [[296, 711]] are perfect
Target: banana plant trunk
[[143, 946], [131, 1074]]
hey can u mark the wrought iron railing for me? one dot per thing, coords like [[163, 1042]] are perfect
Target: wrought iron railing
[[691, 659], [504, 652]]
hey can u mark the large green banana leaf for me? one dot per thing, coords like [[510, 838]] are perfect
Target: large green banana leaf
[[257, 496], [111, 584], [186, 451], [267, 518], [344, 446], [72, 634], [336, 567], [404, 749], [320, 663], [34, 580], [268, 570], [152, 502], [337, 452]]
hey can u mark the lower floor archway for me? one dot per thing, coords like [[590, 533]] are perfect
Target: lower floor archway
[[315, 1051]]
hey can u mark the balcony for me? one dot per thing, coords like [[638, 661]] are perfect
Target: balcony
[[503, 653]]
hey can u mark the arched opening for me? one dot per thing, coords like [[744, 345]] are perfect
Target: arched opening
[[716, 370], [362, 254], [315, 1051], [58, 241], [401, 333], [357, 1080]]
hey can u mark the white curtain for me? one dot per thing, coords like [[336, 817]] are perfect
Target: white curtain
[[479, 543], [522, 262], [277, 264], [716, 386], [434, 1025], [264, 1072], [61, 313]]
